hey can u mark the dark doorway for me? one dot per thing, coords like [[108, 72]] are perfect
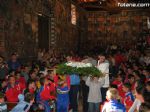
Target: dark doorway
[[43, 32]]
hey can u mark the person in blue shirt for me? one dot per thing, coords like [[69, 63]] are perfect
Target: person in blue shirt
[[62, 96], [74, 89], [13, 63], [113, 105]]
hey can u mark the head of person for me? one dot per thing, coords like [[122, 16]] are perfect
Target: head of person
[[21, 97], [136, 74], [36, 70], [12, 72], [13, 57], [146, 72], [129, 70], [26, 69], [2, 96], [44, 81], [94, 79], [139, 83], [101, 58], [131, 78], [126, 87], [148, 86], [32, 74], [135, 66], [40, 75], [3, 83], [61, 80], [112, 94], [11, 80], [51, 74], [31, 84], [69, 58], [17, 75], [29, 98], [120, 77]]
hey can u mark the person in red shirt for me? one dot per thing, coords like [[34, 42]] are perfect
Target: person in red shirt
[[129, 71], [54, 77], [129, 98], [31, 87], [47, 92], [119, 58], [20, 79], [131, 80], [119, 83], [13, 89]]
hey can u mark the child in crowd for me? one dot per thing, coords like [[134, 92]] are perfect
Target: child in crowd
[[33, 75], [20, 79], [25, 72], [46, 93], [37, 81], [146, 74], [128, 71], [3, 106], [94, 97], [24, 104], [31, 87], [62, 95], [3, 86], [131, 80], [13, 89], [129, 98], [113, 105], [119, 83]]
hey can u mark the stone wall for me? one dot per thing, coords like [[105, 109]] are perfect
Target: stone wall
[[122, 28], [19, 26]]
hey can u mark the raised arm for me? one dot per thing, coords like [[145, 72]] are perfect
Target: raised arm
[[88, 81]]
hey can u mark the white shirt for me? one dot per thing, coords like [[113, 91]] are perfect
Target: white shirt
[[104, 68], [94, 95], [135, 106]]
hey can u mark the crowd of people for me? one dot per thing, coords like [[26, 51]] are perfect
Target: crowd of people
[[125, 86]]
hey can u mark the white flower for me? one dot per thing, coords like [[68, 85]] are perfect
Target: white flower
[[78, 64]]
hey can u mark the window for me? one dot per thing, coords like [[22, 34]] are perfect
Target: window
[[73, 14]]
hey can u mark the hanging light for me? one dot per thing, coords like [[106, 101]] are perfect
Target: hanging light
[[148, 23]]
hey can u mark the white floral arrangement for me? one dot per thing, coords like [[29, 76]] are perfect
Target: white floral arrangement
[[78, 64], [79, 68]]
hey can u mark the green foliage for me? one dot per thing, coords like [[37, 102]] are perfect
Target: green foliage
[[63, 69]]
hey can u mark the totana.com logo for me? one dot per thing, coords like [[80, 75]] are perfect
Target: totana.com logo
[[133, 4]]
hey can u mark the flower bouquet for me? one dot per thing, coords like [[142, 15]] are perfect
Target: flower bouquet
[[83, 69]]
